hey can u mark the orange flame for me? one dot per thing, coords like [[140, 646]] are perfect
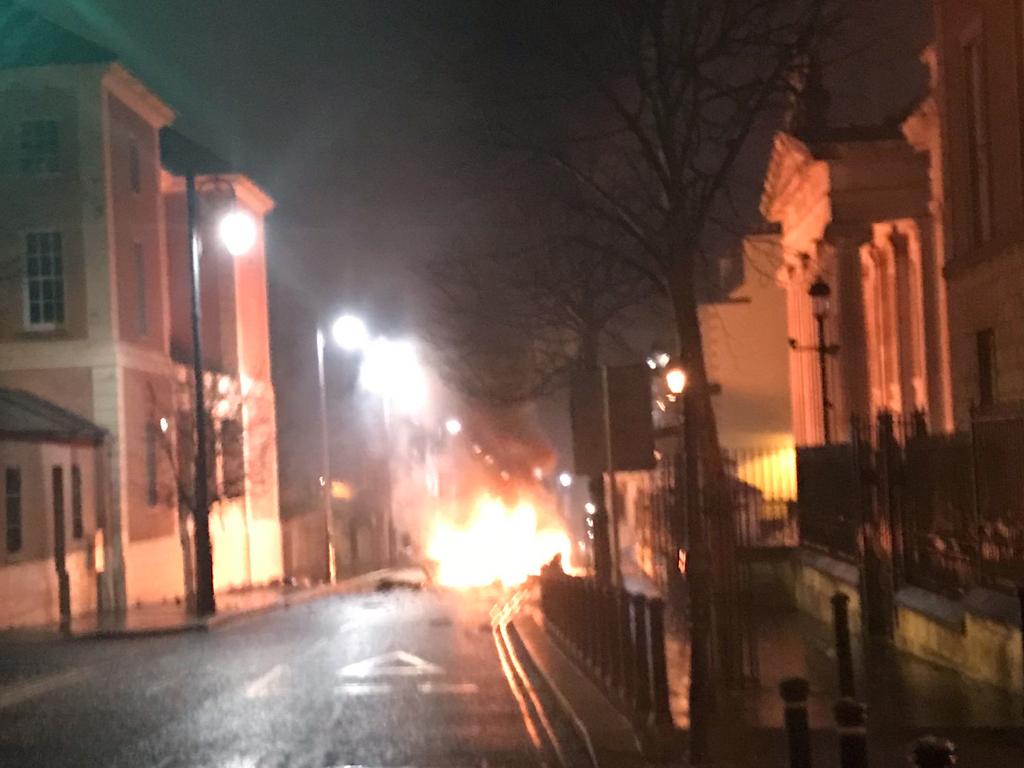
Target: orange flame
[[498, 544]]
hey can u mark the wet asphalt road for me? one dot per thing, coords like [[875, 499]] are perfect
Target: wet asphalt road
[[381, 679]]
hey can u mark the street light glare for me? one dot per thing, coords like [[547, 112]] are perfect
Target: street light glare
[[237, 231], [565, 479], [350, 333], [392, 369], [675, 378], [453, 426]]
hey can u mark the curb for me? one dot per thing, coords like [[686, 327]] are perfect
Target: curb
[[229, 617], [578, 725]]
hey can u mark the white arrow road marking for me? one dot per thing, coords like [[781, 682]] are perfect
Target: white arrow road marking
[[363, 689], [37, 686], [260, 687], [460, 688], [394, 664]]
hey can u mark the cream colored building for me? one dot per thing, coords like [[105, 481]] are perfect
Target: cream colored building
[[93, 307], [853, 208]]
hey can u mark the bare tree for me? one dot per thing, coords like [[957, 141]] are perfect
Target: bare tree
[[647, 108], [519, 308], [240, 447]]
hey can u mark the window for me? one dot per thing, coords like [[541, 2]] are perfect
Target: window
[[44, 280], [986, 347], [77, 524], [40, 147], [152, 432], [134, 166], [12, 497], [977, 133], [232, 446], [141, 313]]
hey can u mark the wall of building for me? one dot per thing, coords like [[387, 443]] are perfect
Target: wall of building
[[28, 582], [985, 275]]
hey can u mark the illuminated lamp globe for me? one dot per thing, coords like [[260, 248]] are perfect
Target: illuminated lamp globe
[[350, 333], [675, 380], [565, 479], [238, 232], [453, 426], [821, 298]]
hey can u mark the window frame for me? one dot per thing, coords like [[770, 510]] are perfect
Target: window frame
[[51, 168], [979, 138], [134, 166], [150, 438], [987, 379], [9, 472], [28, 279], [141, 303]]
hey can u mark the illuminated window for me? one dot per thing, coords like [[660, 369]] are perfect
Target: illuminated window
[[40, 147], [77, 525], [12, 506], [978, 137], [44, 280]]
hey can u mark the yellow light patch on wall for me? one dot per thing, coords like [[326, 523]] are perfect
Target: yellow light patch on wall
[[341, 490]]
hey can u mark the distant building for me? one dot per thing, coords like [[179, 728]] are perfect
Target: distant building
[[94, 317]]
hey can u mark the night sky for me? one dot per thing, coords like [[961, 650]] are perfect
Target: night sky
[[323, 103]]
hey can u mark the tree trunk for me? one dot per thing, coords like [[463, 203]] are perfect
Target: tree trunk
[[716, 643]]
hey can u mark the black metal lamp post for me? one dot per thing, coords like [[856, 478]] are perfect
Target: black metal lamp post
[[821, 296], [239, 236]]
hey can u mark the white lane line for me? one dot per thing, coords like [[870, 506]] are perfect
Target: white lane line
[[363, 689], [164, 684], [457, 688], [260, 687], [38, 686]]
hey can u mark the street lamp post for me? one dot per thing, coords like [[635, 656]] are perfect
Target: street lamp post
[[821, 294], [325, 455], [238, 233]]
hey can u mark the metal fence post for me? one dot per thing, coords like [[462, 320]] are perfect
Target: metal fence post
[[844, 654], [627, 645], [851, 722], [794, 692], [933, 752], [642, 697], [661, 709]]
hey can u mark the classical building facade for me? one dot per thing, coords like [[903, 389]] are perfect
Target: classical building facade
[[853, 209], [975, 117], [94, 306]]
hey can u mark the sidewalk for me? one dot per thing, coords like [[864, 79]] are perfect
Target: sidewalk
[[173, 618], [905, 696]]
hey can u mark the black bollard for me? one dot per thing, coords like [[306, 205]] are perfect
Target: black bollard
[[794, 691], [844, 654], [624, 605], [661, 711], [851, 722], [933, 752], [642, 695]]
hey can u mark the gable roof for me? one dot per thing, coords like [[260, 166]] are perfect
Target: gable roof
[[29, 40], [27, 417], [180, 154]]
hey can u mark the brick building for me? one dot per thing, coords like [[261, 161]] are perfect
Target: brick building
[[94, 307]]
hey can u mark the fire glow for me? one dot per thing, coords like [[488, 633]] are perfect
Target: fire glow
[[498, 543]]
